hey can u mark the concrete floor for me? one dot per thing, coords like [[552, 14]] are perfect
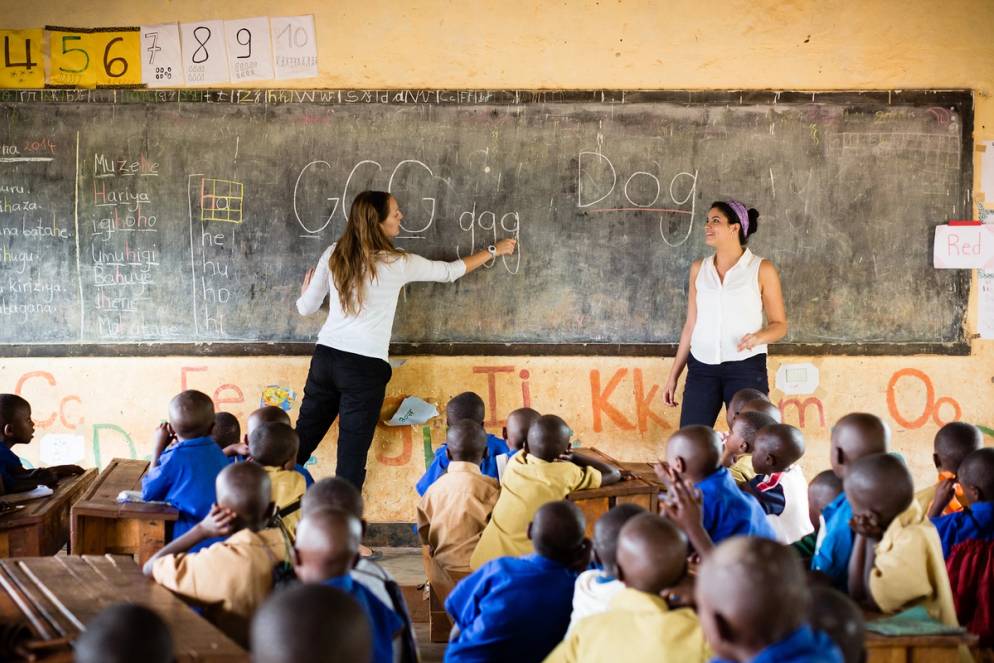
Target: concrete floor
[[406, 566]]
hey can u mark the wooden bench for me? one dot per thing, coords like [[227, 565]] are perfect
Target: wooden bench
[[638, 490], [58, 596], [40, 526], [916, 648], [102, 525]]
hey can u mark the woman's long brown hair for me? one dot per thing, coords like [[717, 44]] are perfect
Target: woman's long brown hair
[[353, 262]]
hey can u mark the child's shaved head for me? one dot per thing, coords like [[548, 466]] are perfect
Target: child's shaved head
[[741, 397], [466, 405], [466, 441], [777, 447], [125, 633], [854, 436], [11, 406], [742, 434], [694, 451], [311, 624], [191, 414], [879, 485], [332, 493], [738, 570], [822, 490], [245, 489], [518, 423], [327, 545], [976, 475], [652, 553], [269, 414], [16, 426], [557, 532], [227, 430], [548, 437], [273, 444], [764, 406], [954, 442], [606, 531], [836, 615]]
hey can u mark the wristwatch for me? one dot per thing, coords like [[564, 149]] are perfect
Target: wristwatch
[[492, 250]]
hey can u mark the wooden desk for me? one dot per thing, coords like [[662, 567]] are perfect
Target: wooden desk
[[101, 525], [41, 526], [598, 501], [58, 596], [916, 648]]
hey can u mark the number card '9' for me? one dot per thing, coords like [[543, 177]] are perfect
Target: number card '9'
[[21, 63], [83, 57]]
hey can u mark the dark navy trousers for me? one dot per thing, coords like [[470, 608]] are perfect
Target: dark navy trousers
[[709, 386]]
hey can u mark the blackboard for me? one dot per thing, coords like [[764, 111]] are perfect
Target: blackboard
[[152, 222]]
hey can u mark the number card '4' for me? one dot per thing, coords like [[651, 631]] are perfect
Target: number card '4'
[[204, 58], [21, 64], [162, 59], [94, 57], [250, 55]]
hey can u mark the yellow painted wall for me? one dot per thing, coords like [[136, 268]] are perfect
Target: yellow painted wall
[[110, 406]]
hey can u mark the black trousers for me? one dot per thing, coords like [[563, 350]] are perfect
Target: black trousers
[[711, 386], [348, 387]]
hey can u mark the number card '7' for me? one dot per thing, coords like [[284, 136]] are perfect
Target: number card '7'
[[21, 63], [91, 57]]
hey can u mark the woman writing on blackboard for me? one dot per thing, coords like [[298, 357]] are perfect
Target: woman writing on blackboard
[[362, 275], [723, 343]]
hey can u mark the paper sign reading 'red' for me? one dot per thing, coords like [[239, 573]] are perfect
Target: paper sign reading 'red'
[[963, 247]]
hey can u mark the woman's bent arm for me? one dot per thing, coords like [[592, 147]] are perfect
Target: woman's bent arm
[[683, 351], [315, 287]]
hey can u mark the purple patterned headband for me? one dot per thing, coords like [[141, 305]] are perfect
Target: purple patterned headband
[[742, 212]]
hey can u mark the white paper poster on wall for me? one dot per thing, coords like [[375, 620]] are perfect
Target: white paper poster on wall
[[250, 54], [162, 56], [797, 379], [295, 50], [62, 449], [985, 304], [204, 58]]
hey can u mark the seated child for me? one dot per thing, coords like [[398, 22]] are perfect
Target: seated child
[[270, 414], [741, 626], [596, 587], [854, 436], [456, 508], [763, 406], [466, 405], [779, 484], [976, 476], [897, 556], [16, 427], [822, 490], [515, 433], [834, 614], [272, 445], [184, 473], [536, 475], [693, 453], [736, 453], [227, 434], [517, 608], [311, 624], [639, 625], [954, 442], [125, 633], [230, 579], [327, 547]]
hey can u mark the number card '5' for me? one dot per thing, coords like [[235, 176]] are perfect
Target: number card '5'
[[97, 57], [21, 61]]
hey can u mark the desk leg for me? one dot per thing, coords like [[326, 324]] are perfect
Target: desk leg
[[151, 539], [896, 654], [89, 535]]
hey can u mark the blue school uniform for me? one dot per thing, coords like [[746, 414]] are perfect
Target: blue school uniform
[[308, 479], [832, 556], [10, 464], [384, 622], [495, 447], [727, 511], [804, 645], [185, 478], [975, 522], [491, 605]]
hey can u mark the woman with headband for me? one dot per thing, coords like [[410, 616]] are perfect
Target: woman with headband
[[723, 344]]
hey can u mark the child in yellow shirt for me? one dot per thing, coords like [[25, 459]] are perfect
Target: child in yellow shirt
[[273, 446]]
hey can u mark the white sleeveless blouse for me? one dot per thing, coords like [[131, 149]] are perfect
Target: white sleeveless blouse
[[727, 311]]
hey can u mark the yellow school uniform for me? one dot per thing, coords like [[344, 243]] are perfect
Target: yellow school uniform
[[741, 469], [451, 518], [926, 496], [528, 483], [230, 578], [288, 486], [637, 627]]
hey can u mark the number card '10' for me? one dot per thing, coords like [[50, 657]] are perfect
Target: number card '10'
[[94, 57]]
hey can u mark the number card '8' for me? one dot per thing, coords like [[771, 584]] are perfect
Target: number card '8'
[[21, 63], [92, 58]]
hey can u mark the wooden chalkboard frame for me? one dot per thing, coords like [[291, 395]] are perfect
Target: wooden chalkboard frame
[[959, 99]]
